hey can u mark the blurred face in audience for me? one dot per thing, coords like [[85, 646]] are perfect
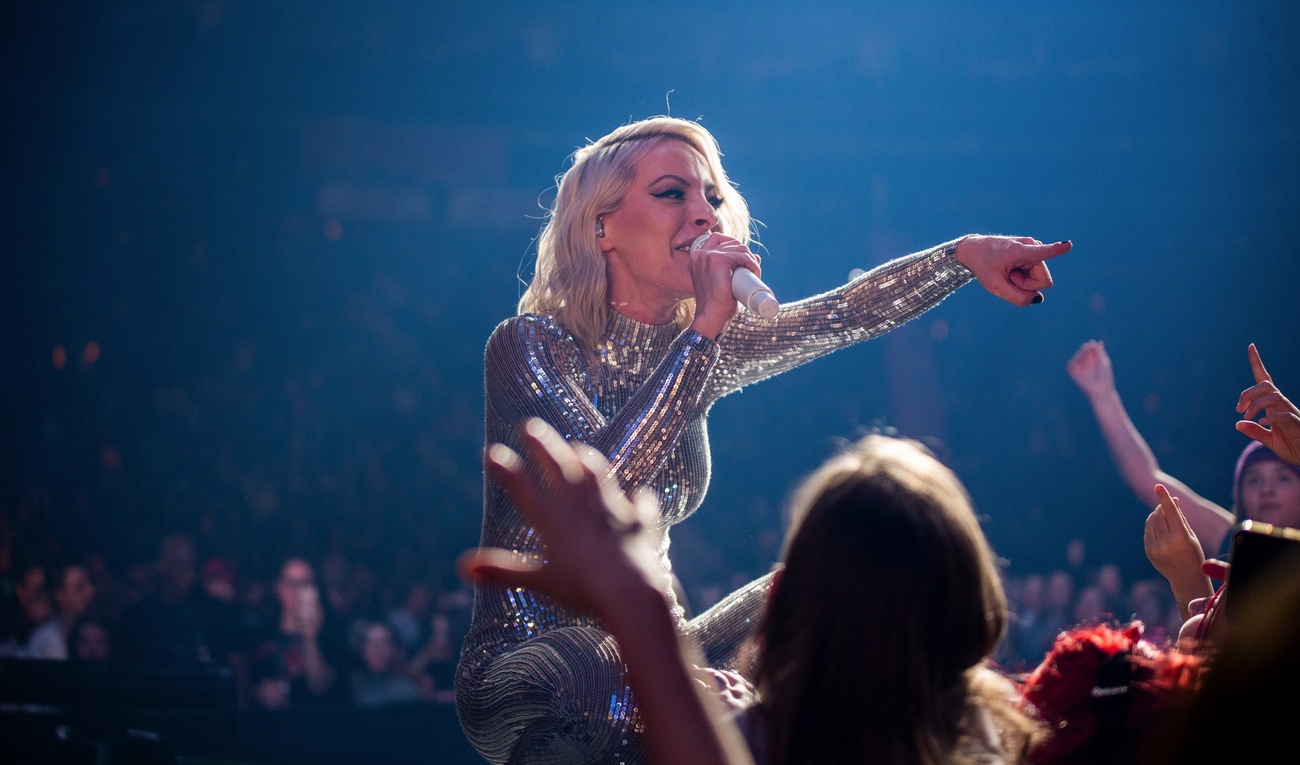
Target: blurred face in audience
[[75, 592], [1270, 492], [301, 607], [418, 600], [378, 650], [1060, 589], [1031, 592], [33, 596], [296, 576], [1090, 606], [177, 564], [1110, 579], [92, 643]]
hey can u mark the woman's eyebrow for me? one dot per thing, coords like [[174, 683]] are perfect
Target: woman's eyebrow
[[677, 178], [709, 186]]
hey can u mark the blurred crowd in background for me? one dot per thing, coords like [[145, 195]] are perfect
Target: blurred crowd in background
[[333, 625]]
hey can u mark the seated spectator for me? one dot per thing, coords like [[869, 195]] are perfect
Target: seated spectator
[[32, 600], [1109, 579], [91, 639], [73, 595], [1057, 615], [178, 622], [1149, 602], [381, 676], [410, 618], [218, 579], [1090, 607], [1081, 571], [299, 656], [1025, 643], [435, 661]]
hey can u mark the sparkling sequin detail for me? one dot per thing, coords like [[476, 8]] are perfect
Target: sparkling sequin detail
[[538, 683]]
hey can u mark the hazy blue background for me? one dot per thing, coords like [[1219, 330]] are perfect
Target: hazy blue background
[[290, 227]]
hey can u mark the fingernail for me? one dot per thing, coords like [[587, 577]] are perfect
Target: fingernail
[[1038, 298]]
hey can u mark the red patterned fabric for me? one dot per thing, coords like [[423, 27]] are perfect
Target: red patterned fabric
[[1102, 686]]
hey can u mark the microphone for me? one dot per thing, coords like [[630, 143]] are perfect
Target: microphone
[[748, 289]]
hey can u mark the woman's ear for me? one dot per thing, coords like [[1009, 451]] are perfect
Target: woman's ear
[[602, 236]]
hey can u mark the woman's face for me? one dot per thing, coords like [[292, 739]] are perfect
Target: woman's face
[[672, 200], [1270, 492]]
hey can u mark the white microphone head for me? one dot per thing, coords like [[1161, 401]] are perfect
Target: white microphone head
[[767, 307], [699, 242]]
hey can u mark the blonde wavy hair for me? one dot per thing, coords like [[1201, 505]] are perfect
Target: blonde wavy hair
[[570, 281]]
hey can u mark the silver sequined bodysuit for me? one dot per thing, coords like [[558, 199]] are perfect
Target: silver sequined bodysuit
[[538, 683]]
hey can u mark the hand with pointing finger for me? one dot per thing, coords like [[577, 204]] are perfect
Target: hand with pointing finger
[[1012, 267], [1175, 551], [1279, 428]]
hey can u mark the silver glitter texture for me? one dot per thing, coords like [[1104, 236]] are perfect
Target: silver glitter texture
[[538, 683]]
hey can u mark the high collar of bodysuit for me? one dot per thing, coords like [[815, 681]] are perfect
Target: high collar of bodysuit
[[627, 342]]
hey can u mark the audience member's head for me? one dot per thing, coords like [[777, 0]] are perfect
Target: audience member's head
[[1031, 592], [90, 639], [1076, 553], [1110, 579], [417, 599], [1090, 606], [381, 653], [33, 594], [888, 528], [1266, 488], [177, 566], [1060, 590], [218, 579], [296, 592], [73, 592]]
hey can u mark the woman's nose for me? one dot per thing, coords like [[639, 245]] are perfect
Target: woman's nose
[[705, 216]]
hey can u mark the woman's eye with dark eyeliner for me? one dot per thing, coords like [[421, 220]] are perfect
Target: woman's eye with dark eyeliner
[[716, 202], [671, 194]]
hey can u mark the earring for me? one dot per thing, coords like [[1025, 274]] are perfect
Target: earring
[[600, 227]]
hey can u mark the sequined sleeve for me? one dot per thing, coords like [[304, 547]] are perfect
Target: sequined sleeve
[[536, 369], [888, 296]]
